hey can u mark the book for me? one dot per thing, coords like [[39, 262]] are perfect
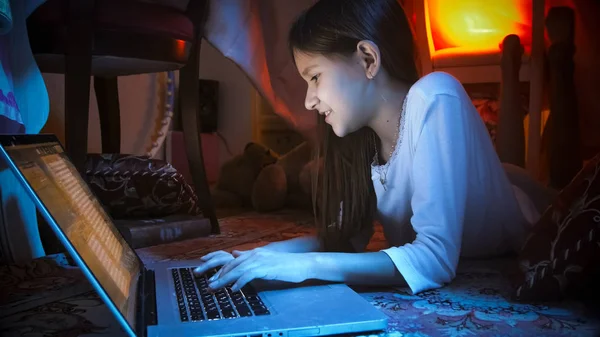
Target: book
[[151, 232]]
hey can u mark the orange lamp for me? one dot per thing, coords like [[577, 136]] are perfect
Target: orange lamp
[[478, 26]]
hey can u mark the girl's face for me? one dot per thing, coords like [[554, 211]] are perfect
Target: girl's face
[[338, 89]]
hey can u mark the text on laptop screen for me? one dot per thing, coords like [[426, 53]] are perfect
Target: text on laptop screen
[[83, 220]]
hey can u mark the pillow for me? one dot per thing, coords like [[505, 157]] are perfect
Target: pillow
[[563, 248], [138, 186]]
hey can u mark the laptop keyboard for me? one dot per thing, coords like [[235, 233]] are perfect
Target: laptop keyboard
[[197, 302]]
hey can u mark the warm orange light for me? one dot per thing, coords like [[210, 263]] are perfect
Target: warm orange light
[[180, 48], [478, 25]]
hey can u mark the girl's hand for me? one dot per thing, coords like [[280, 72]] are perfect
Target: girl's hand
[[213, 260], [261, 263]]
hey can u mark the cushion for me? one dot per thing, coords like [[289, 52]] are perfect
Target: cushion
[[136, 186], [563, 249], [128, 15]]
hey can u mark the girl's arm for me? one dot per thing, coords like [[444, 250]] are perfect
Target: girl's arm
[[351, 268], [354, 268], [304, 244]]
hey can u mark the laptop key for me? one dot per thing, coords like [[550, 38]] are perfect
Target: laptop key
[[229, 313], [240, 304], [197, 317], [213, 314], [244, 311], [258, 307], [261, 311], [252, 298]]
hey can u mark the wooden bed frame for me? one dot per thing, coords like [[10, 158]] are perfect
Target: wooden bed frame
[[557, 156]]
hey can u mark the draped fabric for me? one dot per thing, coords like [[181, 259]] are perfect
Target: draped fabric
[[10, 116], [23, 109], [253, 34]]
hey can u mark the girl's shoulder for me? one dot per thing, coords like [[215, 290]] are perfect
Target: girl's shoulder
[[433, 92], [438, 83]]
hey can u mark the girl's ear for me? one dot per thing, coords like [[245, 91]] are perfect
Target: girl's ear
[[369, 58]]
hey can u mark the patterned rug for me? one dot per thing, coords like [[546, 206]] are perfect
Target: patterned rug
[[477, 303], [48, 298]]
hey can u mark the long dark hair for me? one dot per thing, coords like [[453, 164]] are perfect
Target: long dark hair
[[334, 28]]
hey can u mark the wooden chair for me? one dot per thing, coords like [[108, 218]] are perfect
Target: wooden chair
[[110, 38]]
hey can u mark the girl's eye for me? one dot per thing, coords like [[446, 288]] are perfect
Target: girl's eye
[[315, 78]]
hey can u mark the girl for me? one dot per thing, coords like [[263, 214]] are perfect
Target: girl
[[412, 153]]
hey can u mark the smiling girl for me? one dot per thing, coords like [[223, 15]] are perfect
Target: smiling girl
[[409, 152]]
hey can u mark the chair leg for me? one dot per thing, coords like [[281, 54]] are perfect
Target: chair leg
[[107, 98], [78, 70], [77, 98], [190, 117]]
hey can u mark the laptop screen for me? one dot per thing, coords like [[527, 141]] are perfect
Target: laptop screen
[[82, 220]]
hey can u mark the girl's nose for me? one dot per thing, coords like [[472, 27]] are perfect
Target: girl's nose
[[311, 100]]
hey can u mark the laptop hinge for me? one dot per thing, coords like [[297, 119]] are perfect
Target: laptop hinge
[[146, 308]]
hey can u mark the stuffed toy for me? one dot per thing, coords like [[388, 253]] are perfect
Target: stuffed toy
[[237, 176], [266, 181], [279, 184]]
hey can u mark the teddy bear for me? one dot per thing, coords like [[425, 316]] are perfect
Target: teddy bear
[[266, 181], [236, 177]]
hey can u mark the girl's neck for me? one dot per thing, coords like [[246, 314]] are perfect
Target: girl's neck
[[387, 116]]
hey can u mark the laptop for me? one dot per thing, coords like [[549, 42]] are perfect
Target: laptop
[[167, 299]]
